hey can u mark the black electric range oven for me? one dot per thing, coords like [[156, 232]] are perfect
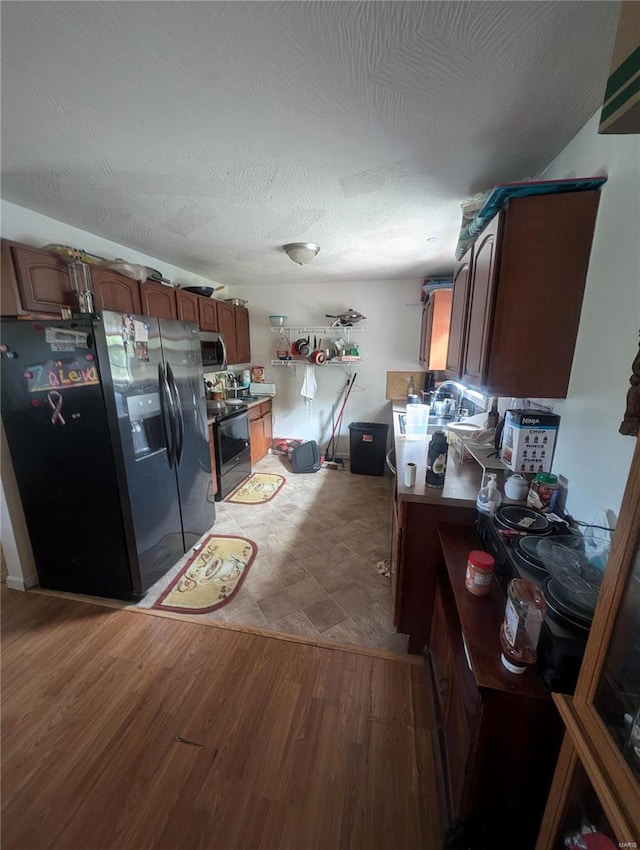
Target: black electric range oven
[[232, 448], [564, 633]]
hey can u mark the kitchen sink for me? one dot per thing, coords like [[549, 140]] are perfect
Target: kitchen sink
[[435, 423]]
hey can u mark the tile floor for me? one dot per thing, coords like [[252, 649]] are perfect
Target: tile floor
[[315, 573]]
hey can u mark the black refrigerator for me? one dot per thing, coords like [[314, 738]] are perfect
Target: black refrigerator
[[106, 422]]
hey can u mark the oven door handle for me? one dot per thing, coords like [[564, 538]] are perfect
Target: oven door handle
[[179, 418], [167, 410]]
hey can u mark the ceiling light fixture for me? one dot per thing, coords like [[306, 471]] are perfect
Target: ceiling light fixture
[[301, 252]]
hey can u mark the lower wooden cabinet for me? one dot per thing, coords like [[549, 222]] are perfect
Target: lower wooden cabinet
[[496, 734], [260, 430]]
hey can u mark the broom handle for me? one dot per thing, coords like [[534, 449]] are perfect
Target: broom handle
[[344, 404], [335, 425]]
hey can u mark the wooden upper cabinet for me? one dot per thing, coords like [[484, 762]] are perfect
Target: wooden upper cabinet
[[479, 312], [523, 297], [187, 305], [41, 279], [243, 339], [227, 327], [455, 350], [434, 337], [208, 313], [158, 300], [113, 291]]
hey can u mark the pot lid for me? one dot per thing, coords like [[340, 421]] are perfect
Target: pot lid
[[576, 564], [564, 610], [523, 519]]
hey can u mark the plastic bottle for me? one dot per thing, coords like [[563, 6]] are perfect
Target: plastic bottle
[[493, 416], [522, 623], [437, 460], [489, 498]]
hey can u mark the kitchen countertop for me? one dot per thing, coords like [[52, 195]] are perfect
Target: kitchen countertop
[[258, 400], [461, 483]]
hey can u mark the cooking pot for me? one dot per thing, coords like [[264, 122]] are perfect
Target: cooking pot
[[318, 358], [301, 346]]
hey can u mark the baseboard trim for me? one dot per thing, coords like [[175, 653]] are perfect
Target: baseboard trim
[[16, 583]]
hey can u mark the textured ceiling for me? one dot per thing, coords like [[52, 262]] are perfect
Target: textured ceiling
[[209, 134]]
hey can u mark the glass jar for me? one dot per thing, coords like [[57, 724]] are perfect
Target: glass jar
[[522, 623], [479, 575], [543, 493]]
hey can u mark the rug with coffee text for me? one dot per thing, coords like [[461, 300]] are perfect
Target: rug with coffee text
[[211, 577], [259, 487]]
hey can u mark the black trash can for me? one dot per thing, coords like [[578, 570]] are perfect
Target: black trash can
[[368, 447]]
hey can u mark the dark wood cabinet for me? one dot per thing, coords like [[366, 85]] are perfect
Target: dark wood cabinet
[[518, 296], [455, 350], [188, 306], [113, 291], [33, 281], [243, 339], [434, 335], [158, 300], [480, 311], [496, 735], [227, 327], [208, 313], [260, 430]]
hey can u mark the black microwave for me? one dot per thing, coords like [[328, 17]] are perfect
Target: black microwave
[[214, 352]]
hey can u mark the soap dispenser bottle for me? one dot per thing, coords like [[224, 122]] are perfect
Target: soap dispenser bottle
[[489, 497]]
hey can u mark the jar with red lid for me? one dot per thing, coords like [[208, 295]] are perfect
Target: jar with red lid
[[480, 566]]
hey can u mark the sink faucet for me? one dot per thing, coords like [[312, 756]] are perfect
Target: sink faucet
[[458, 390]]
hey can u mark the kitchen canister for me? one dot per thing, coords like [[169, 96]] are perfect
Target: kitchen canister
[[410, 475], [479, 575]]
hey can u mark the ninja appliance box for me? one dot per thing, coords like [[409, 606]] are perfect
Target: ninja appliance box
[[529, 440]]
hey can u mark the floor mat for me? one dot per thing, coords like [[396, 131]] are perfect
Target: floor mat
[[212, 577], [258, 488]]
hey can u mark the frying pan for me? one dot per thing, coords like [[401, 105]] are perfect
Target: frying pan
[[351, 317]]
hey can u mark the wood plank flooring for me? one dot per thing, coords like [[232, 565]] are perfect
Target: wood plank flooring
[[130, 732]]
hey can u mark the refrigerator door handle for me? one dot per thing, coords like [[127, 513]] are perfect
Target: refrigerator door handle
[[179, 415], [167, 408]]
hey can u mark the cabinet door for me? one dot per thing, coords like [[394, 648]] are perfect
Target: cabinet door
[[268, 431], [394, 558], [481, 296], [458, 738], [243, 341], [158, 300], [440, 652], [113, 291], [208, 313], [455, 350], [425, 333], [43, 280], [227, 327], [256, 435], [212, 455], [187, 305]]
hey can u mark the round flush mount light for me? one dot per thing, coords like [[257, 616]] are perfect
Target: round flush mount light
[[301, 252]]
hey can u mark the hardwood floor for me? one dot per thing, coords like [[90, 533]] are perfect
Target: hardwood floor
[[133, 732]]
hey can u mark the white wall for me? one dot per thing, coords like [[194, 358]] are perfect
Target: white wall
[[591, 453], [38, 230], [389, 342]]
